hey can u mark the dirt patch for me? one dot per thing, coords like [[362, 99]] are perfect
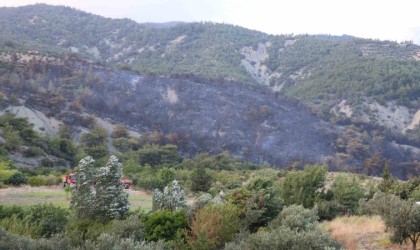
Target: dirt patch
[[361, 232]]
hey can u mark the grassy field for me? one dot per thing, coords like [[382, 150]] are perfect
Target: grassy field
[[361, 232], [27, 196]]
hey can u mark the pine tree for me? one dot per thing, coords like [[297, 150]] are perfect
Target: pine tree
[[200, 180], [388, 180], [83, 196], [111, 199]]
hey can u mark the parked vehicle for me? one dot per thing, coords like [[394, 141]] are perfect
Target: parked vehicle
[[68, 180]]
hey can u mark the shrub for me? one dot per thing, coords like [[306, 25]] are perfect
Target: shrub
[[285, 238], [19, 226], [122, 144], [48, 219], [42, 180], [5, 174], [132, 227], [164, 224], [295, 217], [78, 231], [7, 212], [347, 192], [17, 179], [301, 187], [327, 210], [213, 226], [258, 203]]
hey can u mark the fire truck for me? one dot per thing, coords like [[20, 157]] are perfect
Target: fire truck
[[70, 181]]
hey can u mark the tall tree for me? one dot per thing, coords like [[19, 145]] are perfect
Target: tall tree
[[111, 199], [83, 196]]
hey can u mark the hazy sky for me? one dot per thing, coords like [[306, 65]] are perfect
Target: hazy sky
[[386, 19]]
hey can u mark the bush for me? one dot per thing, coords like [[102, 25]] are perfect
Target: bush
[[48, 219], [17, 179], [132, 227], [19, 226], [327, 210], [301, 187], [42, 180], [5, 174], [347, 192], [78, 231], [213, 226], [164, 225], [295, 217], [7, 212], [285, 238], [258, 203]]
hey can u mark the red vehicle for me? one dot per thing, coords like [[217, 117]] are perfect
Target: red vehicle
[[126, 182], [70, 180]]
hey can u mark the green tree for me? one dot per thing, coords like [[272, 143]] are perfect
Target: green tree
[[172, 198], [401, 216], [200, 180], [83, 196], [301, 187], [258, 202], [111, 200], [12, 137], [388, 181], [347, 192]]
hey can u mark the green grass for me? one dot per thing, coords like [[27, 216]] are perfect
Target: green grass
[[28, 196]]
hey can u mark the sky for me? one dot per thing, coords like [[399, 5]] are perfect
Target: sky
[[376, 19]]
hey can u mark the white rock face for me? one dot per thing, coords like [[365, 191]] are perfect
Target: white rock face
[[42, 123], [344, 108], [415, 121], [391, 115], [253, 63], [170, 96]]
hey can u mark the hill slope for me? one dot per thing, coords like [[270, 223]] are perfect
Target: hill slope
[[367, 90]]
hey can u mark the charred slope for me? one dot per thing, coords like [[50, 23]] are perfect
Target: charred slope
[[204, 116], [214, 116], [198, 115]]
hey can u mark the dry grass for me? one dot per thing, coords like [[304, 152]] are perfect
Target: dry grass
[[361, 232]]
